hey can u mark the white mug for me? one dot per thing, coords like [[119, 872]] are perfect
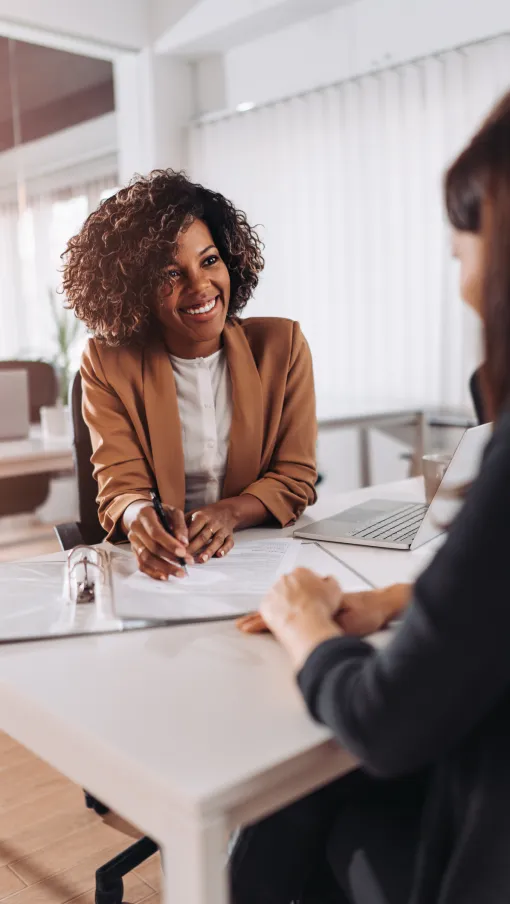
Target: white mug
[[55, 422]]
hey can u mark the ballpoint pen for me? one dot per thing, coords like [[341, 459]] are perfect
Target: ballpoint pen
[[160, 512]]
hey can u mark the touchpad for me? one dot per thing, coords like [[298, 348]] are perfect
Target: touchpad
[[367, 510]]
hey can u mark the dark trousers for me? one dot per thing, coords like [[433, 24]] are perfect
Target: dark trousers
[[353, 842]]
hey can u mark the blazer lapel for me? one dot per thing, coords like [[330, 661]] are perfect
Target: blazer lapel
[[246, 434], [164, 425]]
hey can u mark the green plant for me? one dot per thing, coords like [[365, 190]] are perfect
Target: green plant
[[67, 330]]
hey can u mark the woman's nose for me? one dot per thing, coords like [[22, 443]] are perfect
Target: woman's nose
[[198, 281]]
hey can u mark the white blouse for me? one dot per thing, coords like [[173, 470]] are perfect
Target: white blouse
[[204, 396]]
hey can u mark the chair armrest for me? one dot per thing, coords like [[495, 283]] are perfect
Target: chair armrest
[[69, 535]]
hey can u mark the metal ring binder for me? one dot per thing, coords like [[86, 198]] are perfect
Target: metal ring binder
[[43, 600], [88, 574]]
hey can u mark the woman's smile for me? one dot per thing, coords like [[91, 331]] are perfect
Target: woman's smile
[[203, 311]]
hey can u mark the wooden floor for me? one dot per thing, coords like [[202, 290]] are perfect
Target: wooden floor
[[50, 844]]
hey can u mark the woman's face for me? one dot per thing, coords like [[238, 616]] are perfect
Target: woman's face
[[467, 247], [193, 306]]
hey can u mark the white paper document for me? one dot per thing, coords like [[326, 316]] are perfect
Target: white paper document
[[216, 589], [223, 588]]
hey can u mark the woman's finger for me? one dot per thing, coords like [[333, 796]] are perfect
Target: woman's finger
[[155, 567], [196, 523], [211, 548], [228, 544], [334, 592], [200, 545], [252, 624], [170, 553], [178, 523], [155, 535]]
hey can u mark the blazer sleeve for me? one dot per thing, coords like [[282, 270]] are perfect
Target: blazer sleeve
[[448, 665], [288, 485], [120, 466]]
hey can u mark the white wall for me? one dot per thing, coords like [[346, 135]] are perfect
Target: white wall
[[154, 103], [209, 86], [352, 40]]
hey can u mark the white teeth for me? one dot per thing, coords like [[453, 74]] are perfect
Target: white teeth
[[202, 310]]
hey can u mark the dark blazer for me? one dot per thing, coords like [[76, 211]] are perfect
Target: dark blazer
[[439, 696], [130, 406]]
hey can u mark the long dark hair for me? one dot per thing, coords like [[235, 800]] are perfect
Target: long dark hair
[[477, 192]]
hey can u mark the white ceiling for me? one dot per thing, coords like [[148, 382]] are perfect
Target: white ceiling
[[215, 26], [95, 27], [189, 28]]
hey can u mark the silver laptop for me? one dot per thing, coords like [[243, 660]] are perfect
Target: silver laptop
[[405, 525], [14, 408]]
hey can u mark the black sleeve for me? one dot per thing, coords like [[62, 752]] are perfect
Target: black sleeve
[[449, 663]]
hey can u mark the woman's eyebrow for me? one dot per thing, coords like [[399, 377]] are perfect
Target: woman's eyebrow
[[200, 253]]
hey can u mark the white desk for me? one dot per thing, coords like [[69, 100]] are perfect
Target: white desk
[[34, 456], [186, 731]]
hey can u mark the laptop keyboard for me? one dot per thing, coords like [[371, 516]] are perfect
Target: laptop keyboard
[[401, 526]]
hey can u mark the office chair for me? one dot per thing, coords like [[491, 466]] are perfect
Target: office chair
[[88, 530], [20, 495], [475, 389]]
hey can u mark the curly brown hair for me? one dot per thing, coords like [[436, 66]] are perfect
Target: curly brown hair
[[114, 266]]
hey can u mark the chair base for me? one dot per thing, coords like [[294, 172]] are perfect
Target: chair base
[[109, 884]]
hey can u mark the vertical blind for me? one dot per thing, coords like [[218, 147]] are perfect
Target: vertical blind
[[346, 184]]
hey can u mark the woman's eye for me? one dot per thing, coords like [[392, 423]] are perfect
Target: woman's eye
[[209, 261], [173, 274]]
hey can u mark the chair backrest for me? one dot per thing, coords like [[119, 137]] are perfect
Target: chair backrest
[[42, 384], [24, 494], [82, 451], [477, 397]]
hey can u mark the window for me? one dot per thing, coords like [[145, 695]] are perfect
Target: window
[[30, 249]]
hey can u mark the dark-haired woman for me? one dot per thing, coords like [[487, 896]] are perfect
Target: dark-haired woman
[[180, 394], [429, 716]]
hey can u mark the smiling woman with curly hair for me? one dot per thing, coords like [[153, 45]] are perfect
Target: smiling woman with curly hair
[[181, 396]]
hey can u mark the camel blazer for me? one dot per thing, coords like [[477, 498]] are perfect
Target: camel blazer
[[130, 406]]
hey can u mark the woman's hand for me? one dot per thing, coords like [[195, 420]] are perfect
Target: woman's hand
[[157, 552], [300, 610], [211, 531], [360, 614]]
